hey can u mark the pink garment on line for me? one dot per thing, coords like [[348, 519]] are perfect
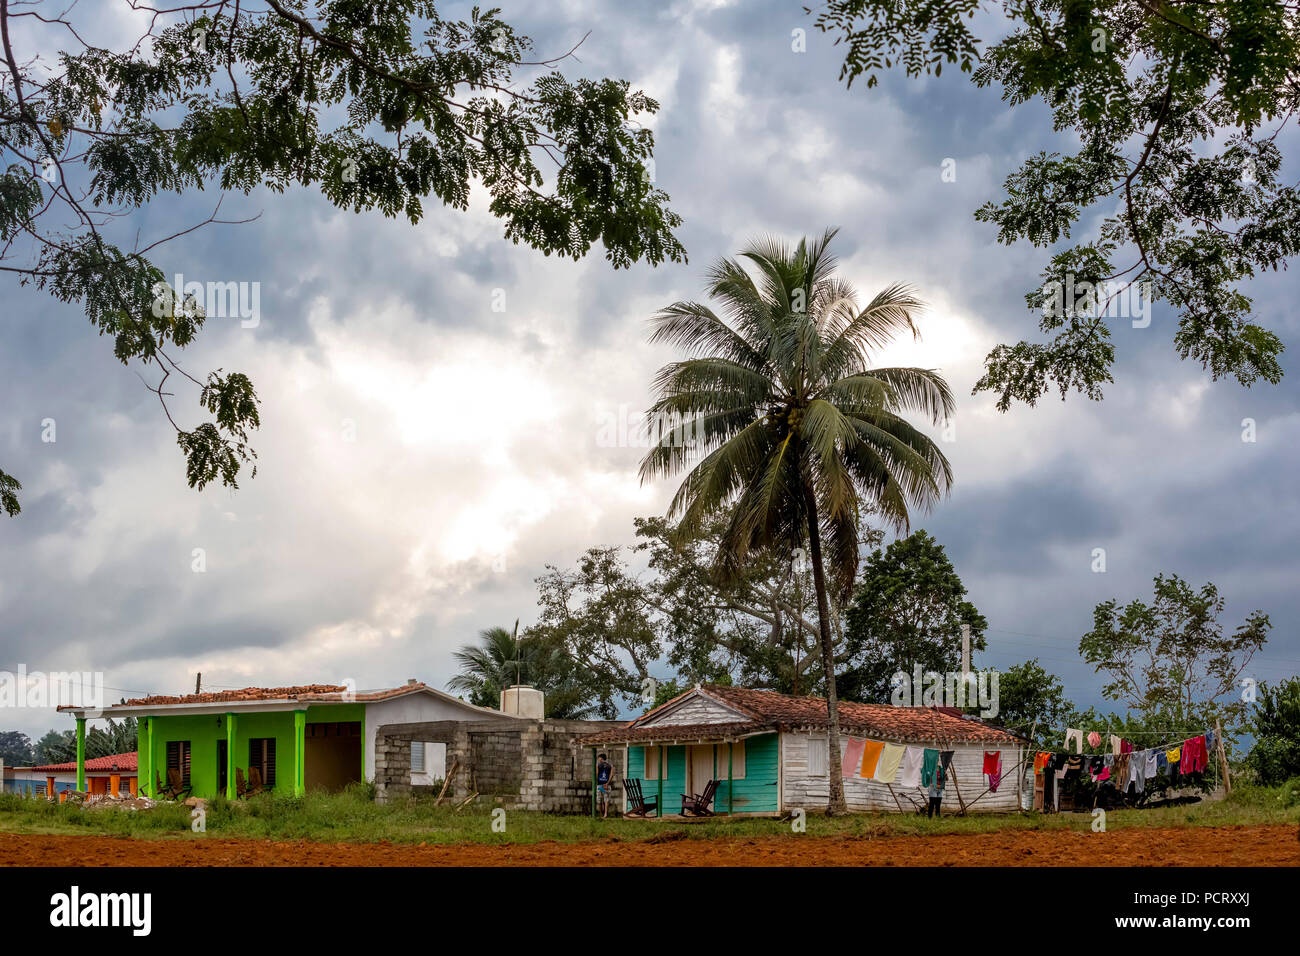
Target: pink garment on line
[[852, 756]]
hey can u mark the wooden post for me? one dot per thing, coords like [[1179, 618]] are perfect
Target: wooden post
[[731, 782], [659, 807], [1223, 756], [593, 783]]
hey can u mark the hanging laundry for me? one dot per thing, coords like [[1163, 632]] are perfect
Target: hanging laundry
[[1073, 764], [1075, 734], [1137, 773], [1149, 763], [1040, 761], [993, 768], [1125, 747], [1162, 762], [1095, 766], [1119, 774], [890, 758], [1209, 739], [945, 761], [852, 756], [870, 758], [928, 766], [909, 775], [1195, 755], [1173, 755], [1094, 738], [1115, 744]]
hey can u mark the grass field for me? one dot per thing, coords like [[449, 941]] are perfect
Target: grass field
[[353, 817]]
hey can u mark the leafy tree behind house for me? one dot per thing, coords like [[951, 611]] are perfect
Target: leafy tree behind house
[[1275, 722], [908, 610], [16, 748], [756, 626], [1177, 180], [56, 747], [1171, 657], [777, 418], [1032, 702], [381, 105]]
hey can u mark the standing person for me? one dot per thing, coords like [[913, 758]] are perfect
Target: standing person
[[936, 792], [604, 774]]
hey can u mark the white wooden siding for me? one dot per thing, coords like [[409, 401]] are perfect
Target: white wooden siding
[[799, 788]]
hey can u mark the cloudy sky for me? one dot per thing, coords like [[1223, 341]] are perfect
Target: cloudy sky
[[424, 456]]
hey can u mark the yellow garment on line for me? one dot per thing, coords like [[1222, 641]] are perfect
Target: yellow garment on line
[[870, 758], [890, 758], [1174, 755]]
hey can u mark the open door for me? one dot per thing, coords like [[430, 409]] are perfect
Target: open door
[[700, 761]]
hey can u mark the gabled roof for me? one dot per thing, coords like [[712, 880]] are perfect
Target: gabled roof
[[107, 764], [768, 710]]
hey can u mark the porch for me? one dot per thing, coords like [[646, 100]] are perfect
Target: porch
[[745, 766]]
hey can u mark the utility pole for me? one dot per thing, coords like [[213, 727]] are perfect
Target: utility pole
[[198, 682]]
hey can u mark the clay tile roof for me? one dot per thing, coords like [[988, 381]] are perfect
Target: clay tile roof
[[120, 761], [300, 692], [770, 710]]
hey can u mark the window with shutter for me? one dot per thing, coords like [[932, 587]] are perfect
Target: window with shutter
[[651, 763], [818, 756], [178, 758], [417, 757], [737, 761], [221, 766], [261, 754]]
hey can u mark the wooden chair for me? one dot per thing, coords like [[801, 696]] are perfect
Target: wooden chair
[[638, 806], [176, 784], [699, 805], [241, 785], [254, 781]]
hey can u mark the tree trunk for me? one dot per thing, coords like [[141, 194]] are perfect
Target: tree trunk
[[837, 804]]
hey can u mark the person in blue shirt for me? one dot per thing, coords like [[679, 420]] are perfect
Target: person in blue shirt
[[604, 774]]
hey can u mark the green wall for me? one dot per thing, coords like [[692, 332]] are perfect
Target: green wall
[[203, 732], [756, 793]]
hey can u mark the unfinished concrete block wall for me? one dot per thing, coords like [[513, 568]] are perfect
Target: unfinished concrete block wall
[[517, 764]]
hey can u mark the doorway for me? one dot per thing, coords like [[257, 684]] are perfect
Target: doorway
[[700, 760]]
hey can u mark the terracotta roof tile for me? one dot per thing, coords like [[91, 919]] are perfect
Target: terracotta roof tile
[[769, 709], [122, 762], [247, 693]]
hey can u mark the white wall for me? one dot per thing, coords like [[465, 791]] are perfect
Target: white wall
[[435, 763], [801, 790], [414, 709]]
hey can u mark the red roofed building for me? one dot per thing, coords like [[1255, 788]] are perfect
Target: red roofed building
[[114, 775], [768, 753]]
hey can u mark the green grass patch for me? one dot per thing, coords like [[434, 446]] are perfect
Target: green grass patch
[[353, 816]]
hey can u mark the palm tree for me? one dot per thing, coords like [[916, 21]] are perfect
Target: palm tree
[[790, 430], [499, 661]]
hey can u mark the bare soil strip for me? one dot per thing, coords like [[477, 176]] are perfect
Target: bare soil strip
[[1138, 846]]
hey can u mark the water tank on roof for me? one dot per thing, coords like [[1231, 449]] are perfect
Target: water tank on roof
[[523, 701]]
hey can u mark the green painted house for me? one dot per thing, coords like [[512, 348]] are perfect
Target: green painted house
[[309, 737]]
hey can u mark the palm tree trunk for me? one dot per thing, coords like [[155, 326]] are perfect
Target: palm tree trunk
[[837, 804]]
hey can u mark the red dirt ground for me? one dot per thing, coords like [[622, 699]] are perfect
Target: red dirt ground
[[1199, 846]]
